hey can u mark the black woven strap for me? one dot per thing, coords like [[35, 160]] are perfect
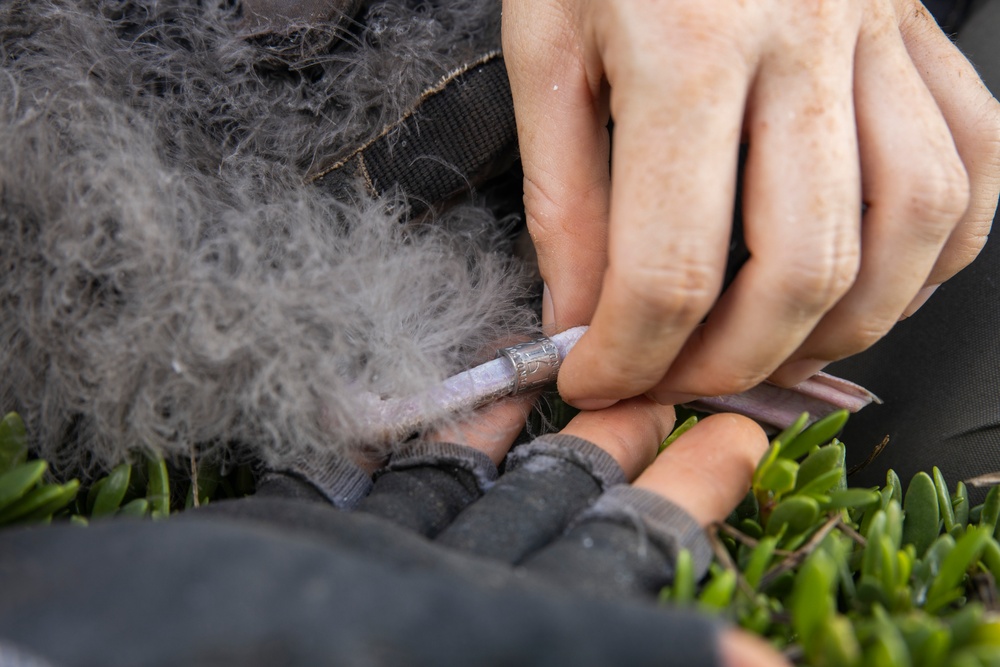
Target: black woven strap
[[458, 134]]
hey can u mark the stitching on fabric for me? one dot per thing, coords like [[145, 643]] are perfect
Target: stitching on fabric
[[427, 94]]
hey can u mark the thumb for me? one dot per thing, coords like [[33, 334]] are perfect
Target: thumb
[[562, 131]]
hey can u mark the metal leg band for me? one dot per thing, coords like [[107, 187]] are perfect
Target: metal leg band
[[536, 364]]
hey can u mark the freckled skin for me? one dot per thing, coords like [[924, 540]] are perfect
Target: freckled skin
[[839, 102]]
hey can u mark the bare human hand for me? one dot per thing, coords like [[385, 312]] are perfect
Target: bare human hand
[[841, 103]]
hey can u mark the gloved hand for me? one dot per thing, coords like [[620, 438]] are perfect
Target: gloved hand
[[441, 561], [588, 509]]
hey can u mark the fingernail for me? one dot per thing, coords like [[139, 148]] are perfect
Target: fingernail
[[591, 404], [548, 310], [795, 372], [671, 397], [919, 300]]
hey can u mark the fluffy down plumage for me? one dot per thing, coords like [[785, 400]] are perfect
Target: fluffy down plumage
[[168, 280]]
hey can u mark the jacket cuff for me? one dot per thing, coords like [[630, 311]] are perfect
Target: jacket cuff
[[336, 478], [582, 453], [662, 522], [423, 453]]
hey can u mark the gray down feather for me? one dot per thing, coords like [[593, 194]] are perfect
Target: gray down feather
[[170, 282]]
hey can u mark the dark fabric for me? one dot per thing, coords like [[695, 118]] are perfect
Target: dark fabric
[[542, 513], [206, 589], [458, 135], [939, 371], [15, 656], [548, 485], [284, 485], [425, 486], [980, 40], [625, 544], [939, 378], [340, 481], [949, 14], [284, 577]]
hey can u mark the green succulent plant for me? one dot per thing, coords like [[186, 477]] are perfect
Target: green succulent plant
[[147, 487], [832, 575], [851, 577]]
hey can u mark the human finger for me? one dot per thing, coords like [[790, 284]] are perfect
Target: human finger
[[491, 429], [801, 211], [630, 431], [673, 175], [707, 471], [551, 480], [563, 138], [626, 543], [429, 481], [916, 191], [742, 649], [973, 117]]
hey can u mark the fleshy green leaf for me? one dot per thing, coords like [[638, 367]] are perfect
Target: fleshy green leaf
[[922, 516], [819, 433], [13, 442]]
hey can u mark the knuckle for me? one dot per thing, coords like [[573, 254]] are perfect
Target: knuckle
[[987, 148], [983, 162], [861, 338], [551, 206], [967, 246], [714, 39], [972, 244], [988, 131], [813, 286], [543, 211], [963, 246], [678, 293], [626, 374], [937, 198], [913, 17], [713, 68], [853, 340], [991, 148], [730, 381]]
